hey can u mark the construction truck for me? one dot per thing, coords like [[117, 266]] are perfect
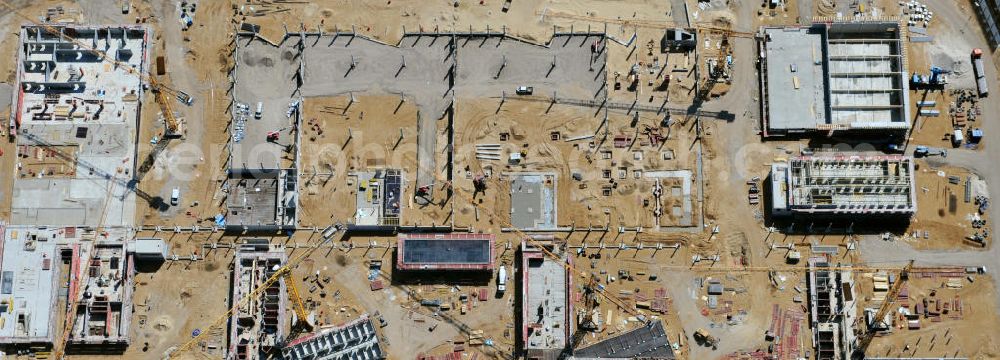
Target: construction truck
[[502, 280], [702, 336], [957, 137], [980, 72]]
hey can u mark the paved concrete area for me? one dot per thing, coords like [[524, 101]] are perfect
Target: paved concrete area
[[264, 74], [379, 69], [88, 198], [684, 193], [678, 11], [577, 72], [532, 202], [805, 8], [418, 68]]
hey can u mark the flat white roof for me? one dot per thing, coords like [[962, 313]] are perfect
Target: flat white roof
[[790, 106], [28, 279]]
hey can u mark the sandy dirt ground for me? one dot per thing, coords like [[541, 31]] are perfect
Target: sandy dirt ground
[[955, 332], [582, 202], [194, 163], [333, 154], [944, 210], [164, 319], [386, 20]]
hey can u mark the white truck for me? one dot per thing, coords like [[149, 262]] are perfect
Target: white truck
[[957, 138], [502, 280], [260, 110]]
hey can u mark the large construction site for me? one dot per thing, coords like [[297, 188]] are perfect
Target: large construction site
[[498, 179]]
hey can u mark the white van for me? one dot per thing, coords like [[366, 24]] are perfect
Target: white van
[[175, 196], [260, 109], [502, 280]]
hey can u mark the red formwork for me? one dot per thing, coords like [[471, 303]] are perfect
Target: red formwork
[[403, 247]]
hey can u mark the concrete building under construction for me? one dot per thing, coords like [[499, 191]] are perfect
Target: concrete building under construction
[[257, 326], [355, 340], [264, 201], [379, 195], [834, 77], [28, 289], [832, 310], [78, 96], [104, 305], [546, 304], [97, 272], [844, 185], [462, 252]]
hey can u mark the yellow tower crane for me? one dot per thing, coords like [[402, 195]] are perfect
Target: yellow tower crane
[[301, 324], [868, 330]]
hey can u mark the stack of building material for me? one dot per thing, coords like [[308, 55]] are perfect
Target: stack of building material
[[488, 151], [476, 337], [61, 112], [881, 283], [956, 308], [955, 283], [661, 302]]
